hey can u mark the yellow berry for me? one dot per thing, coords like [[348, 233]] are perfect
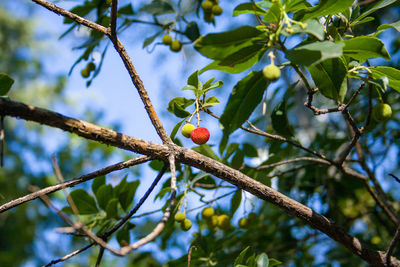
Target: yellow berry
[[175, 46], [216, 10], [187, 129], [208, 17], [212, 222], [381, 112], [271, 72], [167, 39], [186, 225], [207, 6], [207, 212], [180, 217], [223, 222], [243, 223], [85, 73]]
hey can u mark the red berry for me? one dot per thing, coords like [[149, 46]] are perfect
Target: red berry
[[200, 135]]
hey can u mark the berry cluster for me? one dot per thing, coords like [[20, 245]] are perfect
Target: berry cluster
[[88, 69], [211, 9], [174, 45], [199, 135], [185, 223]]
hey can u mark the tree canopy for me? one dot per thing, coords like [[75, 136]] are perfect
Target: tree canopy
[[283, 149]]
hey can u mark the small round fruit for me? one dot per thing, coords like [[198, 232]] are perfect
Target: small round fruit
[[271, 73], [216, 10], [207, 6], [180, 217], [381, 112], [186, 225], [175, 46], [207, 213], [91, 66], [85, 73], [200, 135], [243, 223], [167, 39], [212, 222], [208, 17], [252, 217], [223, 222], [187, 129]]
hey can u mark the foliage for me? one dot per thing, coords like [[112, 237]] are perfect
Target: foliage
[[328, 153]]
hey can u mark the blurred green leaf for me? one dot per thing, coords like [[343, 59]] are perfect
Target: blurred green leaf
[[235, 202], [246, 8], [103, 195], [5, 83], [84, 202], [280, 121], [158, 7], [112, 208]]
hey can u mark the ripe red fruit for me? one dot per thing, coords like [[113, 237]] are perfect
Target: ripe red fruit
[[200, 135]]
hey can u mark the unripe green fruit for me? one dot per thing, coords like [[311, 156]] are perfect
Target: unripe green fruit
[[252, 217], [243, 223], [212, 222], [175, 46], [187, 129], [223, 222], [216, 10], [381, 112], [186, 225], [91, 66], [85, 73], [207, 213], [207, 6], [208, 17], [271, 72], [167, 39], [180, 217]]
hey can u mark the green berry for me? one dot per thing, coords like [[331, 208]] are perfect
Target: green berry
[[186, 225], [175, 46], [223, 222], [243, 223], [207, 213], [85, 73], [167, 39], [180, 217], [91, 66], [271, 72], [381, 112], [207, 6], [208, 17], [216, 10], [252, 217], [187, 129], [212, 222]]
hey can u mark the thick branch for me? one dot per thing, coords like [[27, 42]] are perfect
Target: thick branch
[[73, 182], [192, 158]]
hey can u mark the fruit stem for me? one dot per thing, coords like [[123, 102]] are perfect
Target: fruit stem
[[272, 56], [198, 112]]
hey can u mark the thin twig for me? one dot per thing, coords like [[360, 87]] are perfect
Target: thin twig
[[73, 182], [190, 254], [392, 246], [2, 135], [113, 22], [99, 257], [395, 177], [291, 161], [68, 256]]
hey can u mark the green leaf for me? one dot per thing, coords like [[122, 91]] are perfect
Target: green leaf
[[295, 5], [235, 201], [112, 208], [156, 165], [280, 122], [5, 83], [330, 78], [365, 47], [176, 129], [211, 101], [274, 14], [381, 28], [208, 86], [194, 81], [126, 10], [262, 260], [313, 28], [391, 73], [315, 52], [127, 193], [230, 150], [246, 8], [364, 20], [206, 151], [377, 6], [245, 97], [240, 258], [192, 31], [103, 195], [81, 11], [177, 106], [157, 7], [123, 237], [151, 39], [274, 262], [324, 7], [237, 159], [220, 45], [84, 202], [250, 151]]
